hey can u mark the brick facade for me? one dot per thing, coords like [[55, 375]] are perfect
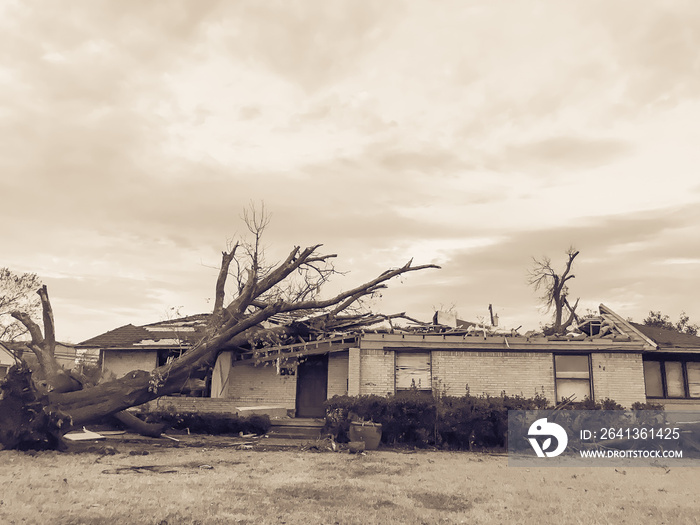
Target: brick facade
[[515, 373], [376, 372], [261, 385], [481, 366], [619, 377], [354, 372]]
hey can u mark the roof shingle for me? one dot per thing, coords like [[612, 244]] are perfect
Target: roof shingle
[[666, 338]]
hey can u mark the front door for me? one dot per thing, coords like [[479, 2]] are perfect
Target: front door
[[312, 384]]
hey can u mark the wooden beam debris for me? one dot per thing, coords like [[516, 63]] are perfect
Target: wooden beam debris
[[324, 346]]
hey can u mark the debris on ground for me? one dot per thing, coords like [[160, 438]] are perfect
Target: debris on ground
[[326, 444], [83, 435]]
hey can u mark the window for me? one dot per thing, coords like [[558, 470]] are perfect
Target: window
[[652, 379], [413, 371], [674, 377], [572, 377], [693, 371], [3, 371]]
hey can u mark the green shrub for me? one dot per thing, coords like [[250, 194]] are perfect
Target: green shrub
[[410, 417], [419, 419], [647, 406], [589, 404], [466, 422]]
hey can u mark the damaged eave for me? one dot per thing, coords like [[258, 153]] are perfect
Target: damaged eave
[[497, 343], [650, 344], [324, 346]]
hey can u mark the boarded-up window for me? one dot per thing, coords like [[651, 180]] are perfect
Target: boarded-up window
[[572, 377], [413, 371]]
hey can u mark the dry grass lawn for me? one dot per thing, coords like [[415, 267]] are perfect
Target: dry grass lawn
[[225, 485]]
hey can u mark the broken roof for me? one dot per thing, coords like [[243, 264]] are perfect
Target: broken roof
[[174, 332]]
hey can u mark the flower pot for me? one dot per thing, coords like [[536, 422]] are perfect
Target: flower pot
[[369, 433]]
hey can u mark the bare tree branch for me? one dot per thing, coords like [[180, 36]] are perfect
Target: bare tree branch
[[543, 276], [360, 291]]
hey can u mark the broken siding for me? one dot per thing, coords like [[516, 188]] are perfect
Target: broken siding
[[121, 362], [220, 375]]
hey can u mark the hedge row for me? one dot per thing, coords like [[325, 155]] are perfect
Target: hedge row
[[420, 419]]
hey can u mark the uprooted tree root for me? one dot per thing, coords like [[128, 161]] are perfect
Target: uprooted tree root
[[25, 421]]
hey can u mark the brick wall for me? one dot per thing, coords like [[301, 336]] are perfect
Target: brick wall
[[338, 374], [261, 385], [619, 377], [354, 372], [491, 373], [376, 372]]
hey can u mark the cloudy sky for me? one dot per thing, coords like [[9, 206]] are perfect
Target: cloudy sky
[[472, 134]]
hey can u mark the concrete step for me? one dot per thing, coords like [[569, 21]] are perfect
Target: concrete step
[[296, 428]]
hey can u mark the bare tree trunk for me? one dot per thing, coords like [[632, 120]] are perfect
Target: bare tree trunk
[[543, 275]]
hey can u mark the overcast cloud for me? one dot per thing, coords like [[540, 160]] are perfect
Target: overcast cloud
[[472, 134]]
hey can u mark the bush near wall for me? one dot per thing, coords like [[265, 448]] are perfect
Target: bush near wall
[[210, 423], [419, 419]]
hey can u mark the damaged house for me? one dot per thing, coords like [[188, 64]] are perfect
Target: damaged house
[[300, 363], [67, 355]]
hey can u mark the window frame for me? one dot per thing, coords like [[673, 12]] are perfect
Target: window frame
[[672, 358], [589, 379]]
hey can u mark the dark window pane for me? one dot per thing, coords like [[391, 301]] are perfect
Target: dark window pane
[[652, 379]]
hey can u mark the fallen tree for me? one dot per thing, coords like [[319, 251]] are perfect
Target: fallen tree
[[39, 406]]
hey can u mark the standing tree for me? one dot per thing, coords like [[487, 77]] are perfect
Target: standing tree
[[16, 293], [35, 415], [542, 276], [683, 325]]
